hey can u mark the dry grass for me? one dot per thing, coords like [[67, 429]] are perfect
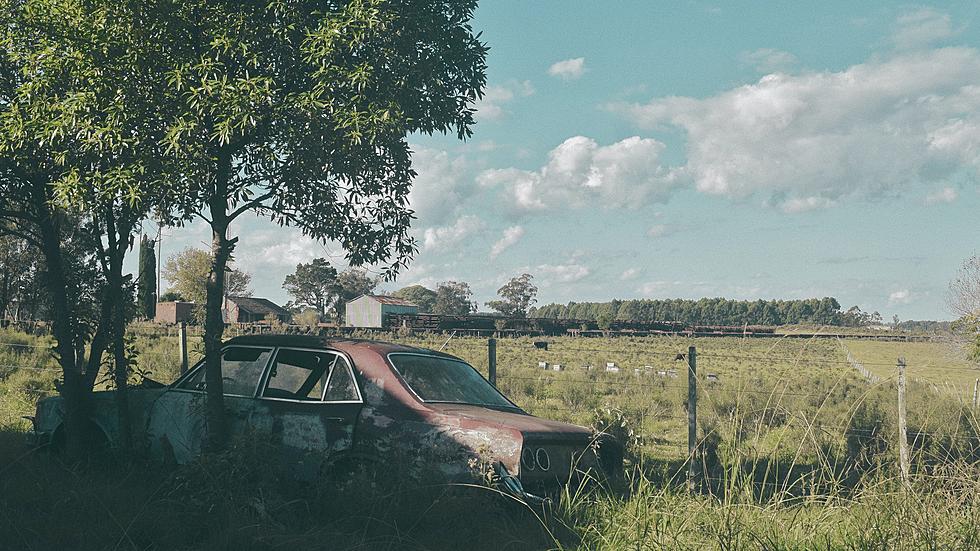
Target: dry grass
[[798, 452]]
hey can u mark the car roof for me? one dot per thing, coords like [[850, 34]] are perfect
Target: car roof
[[337, 343]]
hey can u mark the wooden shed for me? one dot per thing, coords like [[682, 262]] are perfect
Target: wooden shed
[[252, 310]]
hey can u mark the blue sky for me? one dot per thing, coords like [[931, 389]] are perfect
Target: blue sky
[[661, 150]]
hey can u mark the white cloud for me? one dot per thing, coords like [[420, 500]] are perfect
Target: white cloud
[[561, 273], [945, 195], [901, 296], [768, 60], [269, 248], [440, 186], [660, 230], [511, 236], [568, 69], [580, 172], [491, 106], [803, 204], [630, 273], [806, 141], [444, 237], [921, 28]]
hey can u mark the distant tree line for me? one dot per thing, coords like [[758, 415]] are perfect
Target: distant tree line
[[713, 311]]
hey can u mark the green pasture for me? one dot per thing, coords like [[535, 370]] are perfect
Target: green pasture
[[939, 364]]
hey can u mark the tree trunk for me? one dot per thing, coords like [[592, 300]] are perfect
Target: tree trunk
[[5, 292], [73, 389], [214, 323], [114, 295]]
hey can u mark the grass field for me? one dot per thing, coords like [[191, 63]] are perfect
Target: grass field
[[797, 451], [943, 364]]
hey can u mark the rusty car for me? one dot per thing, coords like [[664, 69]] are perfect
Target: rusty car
[[332, 401]]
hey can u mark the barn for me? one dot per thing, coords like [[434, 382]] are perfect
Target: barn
[[371, 310], [252, 310]]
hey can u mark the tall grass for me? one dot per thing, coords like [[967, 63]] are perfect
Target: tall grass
[[796, 452], [27, 373]]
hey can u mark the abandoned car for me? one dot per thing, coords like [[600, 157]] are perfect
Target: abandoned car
[[323, 401]]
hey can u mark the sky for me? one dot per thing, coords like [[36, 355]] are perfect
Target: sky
[[696, 149]]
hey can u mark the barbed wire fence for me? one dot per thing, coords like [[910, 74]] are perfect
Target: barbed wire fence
[[646, 372], [645, 379]]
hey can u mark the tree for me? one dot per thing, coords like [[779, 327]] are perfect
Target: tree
[[424, 297], [963, 298], [312, 285], [188, 272], [309, 317], [76, 176], [20, 277], [351, 283], [604, 321], [172, 296], [518, 295], [300, 111], [147, 282], [453, 299]]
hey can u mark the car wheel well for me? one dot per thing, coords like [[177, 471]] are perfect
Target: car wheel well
[[99, 439]]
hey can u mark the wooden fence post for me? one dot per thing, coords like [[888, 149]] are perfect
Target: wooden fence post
[[976, 393], [492, 360], [903, 442], [692, 417], [183, 347]]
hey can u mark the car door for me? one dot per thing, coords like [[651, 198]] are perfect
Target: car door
[[310, 402], [176, 422]]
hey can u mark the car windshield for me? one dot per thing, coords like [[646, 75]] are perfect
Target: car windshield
[[436, 379]]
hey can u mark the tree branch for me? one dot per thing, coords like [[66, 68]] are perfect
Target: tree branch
[[30, 238], [250, 205]]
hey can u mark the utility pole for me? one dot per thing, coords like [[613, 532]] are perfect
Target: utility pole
[[159, 256]]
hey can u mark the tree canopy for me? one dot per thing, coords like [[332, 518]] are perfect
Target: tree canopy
[[301, 111], [517, 296], [313, 285], [424, 297], [453, 298], [296, 110], [712, 311], [187, 272], [78, 140], [964, 300]]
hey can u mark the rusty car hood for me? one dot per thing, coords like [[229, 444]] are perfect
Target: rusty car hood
[[528, 425]]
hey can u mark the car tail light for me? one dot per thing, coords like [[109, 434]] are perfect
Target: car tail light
[[527, 459], [542, 459]]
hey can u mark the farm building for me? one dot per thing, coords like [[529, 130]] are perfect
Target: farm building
[[175, 312], [371, 310], [252, 310]]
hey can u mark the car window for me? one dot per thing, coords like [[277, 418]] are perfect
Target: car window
[[299, 374], [341, 387], [241, 368], [438, 379]]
